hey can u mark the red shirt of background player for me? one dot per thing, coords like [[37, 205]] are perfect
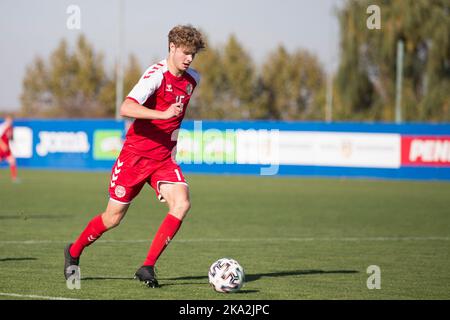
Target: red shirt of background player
[[6, 134]]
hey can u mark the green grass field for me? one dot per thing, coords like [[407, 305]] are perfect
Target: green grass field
[[297, 238]]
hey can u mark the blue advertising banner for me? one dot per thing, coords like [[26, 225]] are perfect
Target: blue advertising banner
[[376, 150], [67, 144]]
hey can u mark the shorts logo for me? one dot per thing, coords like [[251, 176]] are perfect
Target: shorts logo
[[120, 191]]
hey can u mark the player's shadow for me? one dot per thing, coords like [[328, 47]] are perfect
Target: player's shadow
[[248, 277], [106, 278], [256, 276], [177, 283], [164, 284], [17, 259]]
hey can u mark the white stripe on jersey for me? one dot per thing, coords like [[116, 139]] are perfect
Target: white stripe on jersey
[[149, 82]]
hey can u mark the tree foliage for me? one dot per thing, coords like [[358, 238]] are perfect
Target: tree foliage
[[76, 84], [72, 84], [367, 71], [228, 83], [292, 85], [287, 85]]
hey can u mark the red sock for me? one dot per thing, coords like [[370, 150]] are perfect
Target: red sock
[[92, 232], [165, 234], [13, 172]]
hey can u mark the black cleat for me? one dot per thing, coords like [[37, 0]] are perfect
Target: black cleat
[[146, 274], [69, 261]]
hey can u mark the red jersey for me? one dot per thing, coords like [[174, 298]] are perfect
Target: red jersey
[[158, 89], [6, 133]]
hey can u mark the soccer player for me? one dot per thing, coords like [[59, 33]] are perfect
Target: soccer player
[[158, 104], [6, 135]]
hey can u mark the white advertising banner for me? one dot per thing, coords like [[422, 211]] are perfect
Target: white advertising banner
[[22, 144], [337, 149]]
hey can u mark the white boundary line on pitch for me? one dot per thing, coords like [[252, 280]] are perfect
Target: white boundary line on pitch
[[32, 296], [343, 239]]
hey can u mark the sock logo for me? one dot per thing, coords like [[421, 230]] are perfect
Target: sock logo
[[91, 238], [168, 241]]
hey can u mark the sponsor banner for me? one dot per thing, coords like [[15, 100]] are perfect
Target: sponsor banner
[[211, 146], [22, 144], [67, 144], [107, 144], [258, 147], [62, 142], [336, 149], [426, 151], [340, 149], [263, 147], [417, 151]]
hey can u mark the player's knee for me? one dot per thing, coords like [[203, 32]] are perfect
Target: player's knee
[[111, 219], [181, 207]]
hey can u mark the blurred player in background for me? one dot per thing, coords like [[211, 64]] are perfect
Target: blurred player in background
[[158, 103], [6, 135]]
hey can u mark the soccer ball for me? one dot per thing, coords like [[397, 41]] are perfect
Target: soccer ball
[[226, 275]]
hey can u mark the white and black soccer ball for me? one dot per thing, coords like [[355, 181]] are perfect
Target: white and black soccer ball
[[226, 275]]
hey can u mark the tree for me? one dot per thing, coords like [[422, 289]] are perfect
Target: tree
[[35, 96], [68, 87], [239, 81], [367, 71], [107, 96], [207, 101], [73, 84], [228, 83], [288, 87], [292, 85]]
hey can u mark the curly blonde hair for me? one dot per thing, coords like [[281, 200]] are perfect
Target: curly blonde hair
[[187, 36]]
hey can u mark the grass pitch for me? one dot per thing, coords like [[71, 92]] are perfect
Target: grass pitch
[[297, 238]]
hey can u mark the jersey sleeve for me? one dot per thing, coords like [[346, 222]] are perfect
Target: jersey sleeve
[[194, 74], [147, 85]]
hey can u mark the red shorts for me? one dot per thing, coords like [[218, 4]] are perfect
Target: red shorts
[[131, 172]]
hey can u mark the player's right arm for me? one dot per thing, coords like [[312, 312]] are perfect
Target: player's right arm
[[133, 106], [132, 109]]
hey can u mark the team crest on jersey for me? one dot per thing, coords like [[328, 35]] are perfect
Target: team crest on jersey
[[169, 88], [120, 191], [189, 89]]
